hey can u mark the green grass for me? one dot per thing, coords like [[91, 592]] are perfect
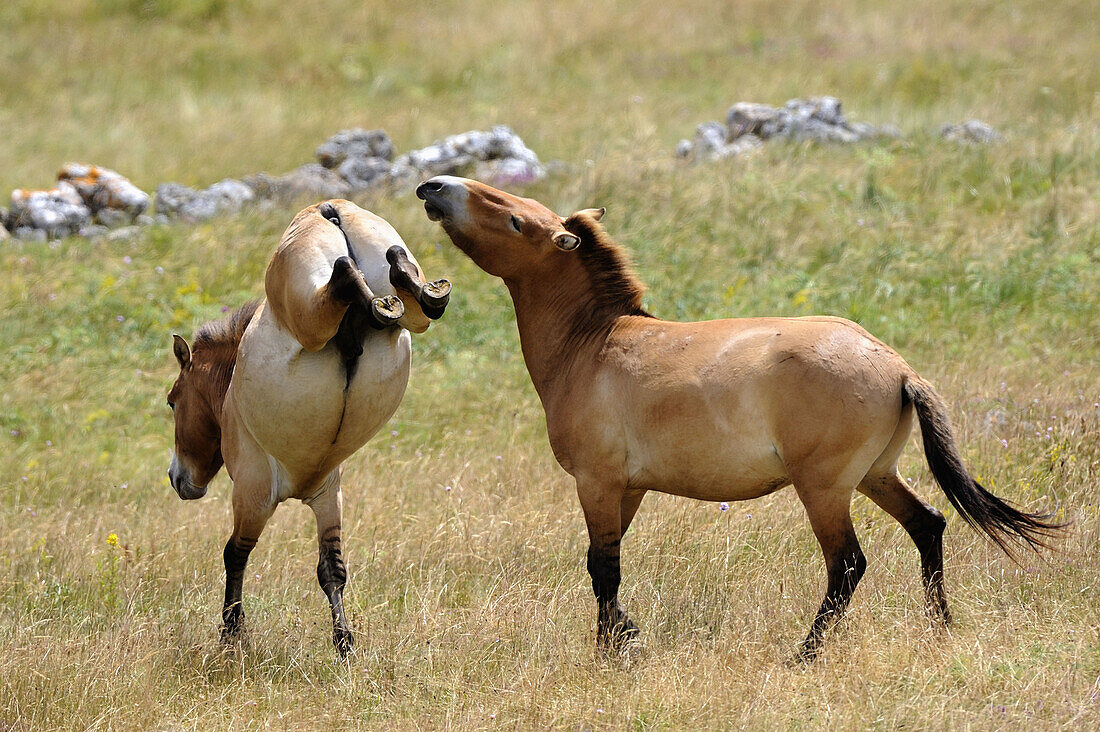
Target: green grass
[[472, 606]]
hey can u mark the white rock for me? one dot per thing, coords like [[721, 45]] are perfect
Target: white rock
[[102, 188], [972, 130], [57, 212]]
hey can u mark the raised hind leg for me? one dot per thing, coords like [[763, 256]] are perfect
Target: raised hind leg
[[608, 511], [331, 573], [924, 524], [830, 517]]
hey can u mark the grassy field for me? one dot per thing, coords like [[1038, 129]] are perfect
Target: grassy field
[[464, 540]]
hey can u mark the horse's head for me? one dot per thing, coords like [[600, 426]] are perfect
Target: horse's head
[[505, 235], [197, 457], [388, 266]]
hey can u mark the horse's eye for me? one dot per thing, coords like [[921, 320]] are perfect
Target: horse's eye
[[171, 405], [515, 224]]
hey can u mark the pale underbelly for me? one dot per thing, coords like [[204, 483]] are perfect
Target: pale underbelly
[[717, 469], [301, 410]]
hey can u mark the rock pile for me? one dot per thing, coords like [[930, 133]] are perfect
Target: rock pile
[[86, 199], [748, 125], [89, 199], [972, 131]]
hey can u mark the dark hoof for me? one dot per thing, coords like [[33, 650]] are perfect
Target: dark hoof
[[385, 311], [232, 624], [808, 651], [437, 294], [343, 640], [619, 639]]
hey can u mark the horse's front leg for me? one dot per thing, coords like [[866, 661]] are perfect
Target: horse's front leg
[[603, 506], [249, 519], [331, 573]]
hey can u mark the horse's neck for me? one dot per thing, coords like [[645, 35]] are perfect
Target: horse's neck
[[562, 325]]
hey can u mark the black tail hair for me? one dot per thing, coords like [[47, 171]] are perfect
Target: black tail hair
[[998, 520]]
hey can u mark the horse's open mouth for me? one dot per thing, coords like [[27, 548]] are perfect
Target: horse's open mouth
[[435, 213]]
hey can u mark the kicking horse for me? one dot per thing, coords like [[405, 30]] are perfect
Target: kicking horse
[[284, 390]]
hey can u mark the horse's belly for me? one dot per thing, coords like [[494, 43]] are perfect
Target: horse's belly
[[707, 469], [702, 443]]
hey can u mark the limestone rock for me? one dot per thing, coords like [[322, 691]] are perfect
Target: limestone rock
[[308, 181], [180, 202], [749, 124], [971, 131], [355, 143], [103, 190], [462, 152], [57, 212]]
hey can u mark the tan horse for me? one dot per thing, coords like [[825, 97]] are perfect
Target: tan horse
[[284, 390], [723, 410]]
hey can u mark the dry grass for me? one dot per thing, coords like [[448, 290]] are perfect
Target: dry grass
[[472, 606]]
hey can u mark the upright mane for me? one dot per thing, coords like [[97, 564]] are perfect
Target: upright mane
[[215, 347], [616, 290]]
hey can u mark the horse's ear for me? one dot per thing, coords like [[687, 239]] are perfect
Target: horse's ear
[[181, 349], [595, 213], [566, 242]]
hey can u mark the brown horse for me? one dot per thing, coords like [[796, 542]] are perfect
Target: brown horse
[[722, 410], [284, 390]]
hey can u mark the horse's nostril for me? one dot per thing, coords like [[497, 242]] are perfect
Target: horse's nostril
[[431, 186]]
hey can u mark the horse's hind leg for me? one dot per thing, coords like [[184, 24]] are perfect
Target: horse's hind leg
[[830, 517], [924, 524], [331, 573]]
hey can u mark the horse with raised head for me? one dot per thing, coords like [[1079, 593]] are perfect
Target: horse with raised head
[[722, 410], [284, 390]]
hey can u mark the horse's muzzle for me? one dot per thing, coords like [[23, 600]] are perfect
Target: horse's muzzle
[[440, 196], [181, 482]]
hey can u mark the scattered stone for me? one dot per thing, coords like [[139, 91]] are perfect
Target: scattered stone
[[57, 212], [748, 125], [29, 233], [112, 199], [356, 143], [363, 172], [112, 218], [179, 201], [310, 180], [92, 200], [126, 232], [93, 231], [4, 233], [458, 153], [711, 143], [971, 131]]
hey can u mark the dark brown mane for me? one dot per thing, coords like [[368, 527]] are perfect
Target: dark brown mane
[[215, 349], [616, 290]]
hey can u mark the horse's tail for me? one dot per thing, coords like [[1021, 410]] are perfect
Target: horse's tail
[[998, 520]]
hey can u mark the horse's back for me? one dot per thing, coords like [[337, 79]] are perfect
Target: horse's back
[[722, 407]]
